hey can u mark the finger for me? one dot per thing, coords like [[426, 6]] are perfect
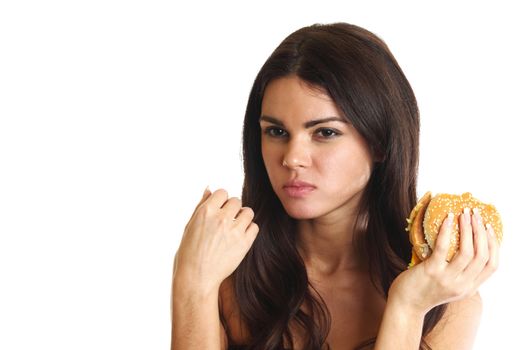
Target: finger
[[218, 198], [466, 249], [244, 217], [443, 240], [205, 196], [493, 262], [231, 207], [481, 238], [251, 232], [481, 247]]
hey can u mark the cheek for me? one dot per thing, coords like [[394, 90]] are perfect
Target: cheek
[[269, 156], [266, 154], [346, 169]]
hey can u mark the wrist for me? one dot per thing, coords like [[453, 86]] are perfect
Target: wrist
[[189, 287], [405, 308], [401, 302], [401, 327]]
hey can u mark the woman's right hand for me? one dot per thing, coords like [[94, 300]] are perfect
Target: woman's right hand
[[216, 239]]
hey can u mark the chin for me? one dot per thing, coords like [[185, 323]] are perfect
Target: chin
[[301, 212]]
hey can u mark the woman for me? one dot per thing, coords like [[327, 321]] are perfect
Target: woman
[[316, 255]]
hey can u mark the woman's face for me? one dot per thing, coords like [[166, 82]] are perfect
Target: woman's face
[[318, 164]]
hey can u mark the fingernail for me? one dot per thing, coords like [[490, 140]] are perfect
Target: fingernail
[[466, 213], [490, 229], [450, 218], [206, 190], [477, 216]]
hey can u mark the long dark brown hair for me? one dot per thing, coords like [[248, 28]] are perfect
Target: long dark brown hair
[[358, 71]]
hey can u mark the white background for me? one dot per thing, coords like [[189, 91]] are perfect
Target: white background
[[115, 115]]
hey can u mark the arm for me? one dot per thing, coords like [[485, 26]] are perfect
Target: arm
[[401, 328], [215, 240], [457, 329], [435, 281], [195, 318]]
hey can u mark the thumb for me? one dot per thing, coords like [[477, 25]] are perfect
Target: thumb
[[205, 196]]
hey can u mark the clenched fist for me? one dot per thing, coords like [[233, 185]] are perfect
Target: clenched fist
[[216, 239]]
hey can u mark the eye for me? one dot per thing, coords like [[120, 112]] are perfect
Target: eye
[[327, 133], [275, 132]]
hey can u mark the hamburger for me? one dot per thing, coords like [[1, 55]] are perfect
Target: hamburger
[[427, 216]]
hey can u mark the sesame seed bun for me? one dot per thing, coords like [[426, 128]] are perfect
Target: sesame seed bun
[[427, 216]]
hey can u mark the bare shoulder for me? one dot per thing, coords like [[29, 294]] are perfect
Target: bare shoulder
[[457, 329]]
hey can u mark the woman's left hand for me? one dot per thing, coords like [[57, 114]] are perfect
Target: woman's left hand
[[435, 281]]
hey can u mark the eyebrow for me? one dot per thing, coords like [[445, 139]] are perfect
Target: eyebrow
[[307, 125]]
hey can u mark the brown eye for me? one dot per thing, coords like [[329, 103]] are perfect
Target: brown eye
[[328, 133], [275, 132]]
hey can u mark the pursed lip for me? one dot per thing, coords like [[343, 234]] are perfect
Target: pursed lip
[[298, 184], [298, 189]]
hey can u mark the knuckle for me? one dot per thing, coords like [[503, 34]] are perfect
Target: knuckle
[[235, 200], [249, 211], [463, 259], [432, 272], [222, 192], [483, 258], [254, 230], [492, 265], [438, 248], [466, 255], [441, 249], [224, 221]]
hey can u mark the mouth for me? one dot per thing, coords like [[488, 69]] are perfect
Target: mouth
[[297, 192], [297, 189]]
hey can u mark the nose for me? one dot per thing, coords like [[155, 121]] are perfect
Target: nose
[[296, 155]]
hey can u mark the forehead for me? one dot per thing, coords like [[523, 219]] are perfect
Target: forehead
[[292, 98]]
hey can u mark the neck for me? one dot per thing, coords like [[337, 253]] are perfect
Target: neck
[[328, 245]]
